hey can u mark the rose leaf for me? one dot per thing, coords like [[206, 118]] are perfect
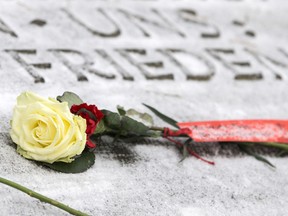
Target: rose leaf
[[121, 110], [133, 127], [111, 120], [144, 118], [71, 98], [79, 165], [162, 116]]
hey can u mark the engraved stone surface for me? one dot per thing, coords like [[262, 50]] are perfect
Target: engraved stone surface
[[193, 60]]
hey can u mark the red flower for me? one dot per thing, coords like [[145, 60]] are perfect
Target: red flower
[[92, 115]]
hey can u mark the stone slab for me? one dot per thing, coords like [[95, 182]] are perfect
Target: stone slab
[[193, 60]]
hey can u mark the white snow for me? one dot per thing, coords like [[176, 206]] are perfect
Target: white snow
[[155, 184]]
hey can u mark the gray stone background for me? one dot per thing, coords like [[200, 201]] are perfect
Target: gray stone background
[[193, 60]]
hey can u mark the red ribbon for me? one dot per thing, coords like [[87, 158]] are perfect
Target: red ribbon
[[167, 133], [238, 131], [183, 131]]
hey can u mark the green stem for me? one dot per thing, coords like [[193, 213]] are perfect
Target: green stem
[[157, 128], [41, 197], [161, 129], [275, 145], [269, 144]]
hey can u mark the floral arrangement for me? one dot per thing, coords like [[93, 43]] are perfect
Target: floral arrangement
[[57, 133]]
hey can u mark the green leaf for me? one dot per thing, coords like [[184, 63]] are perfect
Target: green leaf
[[111, 120], [101, 128], [246, 149], [185, 152], [154, 134], [121, 110], [162, 116], [282, 153], [79, 165], [131, 126], [144, 118], [122, 125], [260, 158], [71, 98], [275, 145]]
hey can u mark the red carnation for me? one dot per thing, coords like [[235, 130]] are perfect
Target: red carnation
[[92, 115]]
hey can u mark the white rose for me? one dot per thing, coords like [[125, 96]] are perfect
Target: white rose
[[45, 129]]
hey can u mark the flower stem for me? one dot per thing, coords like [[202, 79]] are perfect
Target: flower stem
[[275, 145], [41, 197], [157, 128], [161, 129]]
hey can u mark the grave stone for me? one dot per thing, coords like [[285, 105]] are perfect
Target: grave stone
[[193, 60]]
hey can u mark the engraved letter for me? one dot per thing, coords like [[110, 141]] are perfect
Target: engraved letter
[[270, 63], [119, 68], [4, 28], [136, 19], [224, 56], [190, 16], [78, 68], [205, 70], [116, 32], [126, 53], [30, 68]]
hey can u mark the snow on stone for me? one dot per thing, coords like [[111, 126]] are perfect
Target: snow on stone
[[193, 60]]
